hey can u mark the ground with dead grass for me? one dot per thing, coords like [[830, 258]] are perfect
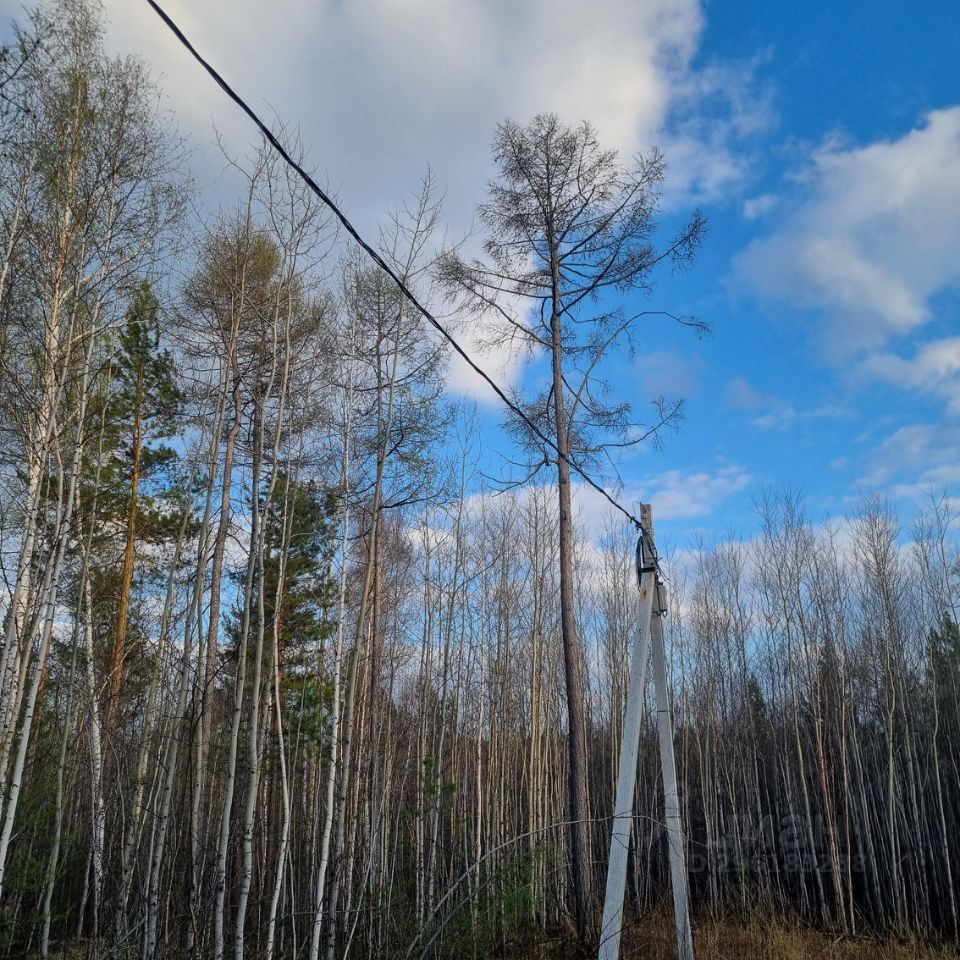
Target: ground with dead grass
[[721, 938], [724, 939]]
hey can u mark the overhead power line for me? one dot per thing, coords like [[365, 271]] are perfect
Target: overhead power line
[[378, 259]]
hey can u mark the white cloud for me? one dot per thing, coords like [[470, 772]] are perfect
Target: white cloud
[[717, 113], [784, 415], [674, 494], [873, 238], [502, 362], [917, 451], [919, 457], [380, 89], [760, 206], [934, 369], [678, 494], [777, 413], [937, 482], [592, 512]]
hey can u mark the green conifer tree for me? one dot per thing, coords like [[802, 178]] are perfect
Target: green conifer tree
[[144, 495]]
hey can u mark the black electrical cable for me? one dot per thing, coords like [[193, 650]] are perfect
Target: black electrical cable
[[375, 256]]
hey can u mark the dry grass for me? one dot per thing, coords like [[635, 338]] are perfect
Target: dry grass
[[714, 939], [720, 939], [730, 939]]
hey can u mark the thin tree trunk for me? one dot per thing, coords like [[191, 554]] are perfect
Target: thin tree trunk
[[579, 803], [126, 576]]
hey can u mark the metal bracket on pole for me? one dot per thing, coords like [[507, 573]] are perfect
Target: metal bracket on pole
[[652, 607]]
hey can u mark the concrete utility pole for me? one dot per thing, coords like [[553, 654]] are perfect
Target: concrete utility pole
[[652, 609]]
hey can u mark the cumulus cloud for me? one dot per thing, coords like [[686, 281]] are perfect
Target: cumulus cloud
[[873, 237], [934, 370], [379, 89], [674, 494], [592, 512], [716, 116], [922, 452], [680, 494], [502, 362]]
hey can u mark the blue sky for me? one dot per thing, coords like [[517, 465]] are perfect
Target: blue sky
[[814, 376], [822, 141]]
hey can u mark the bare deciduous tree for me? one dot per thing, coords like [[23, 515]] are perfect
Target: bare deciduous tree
[[568, 232]]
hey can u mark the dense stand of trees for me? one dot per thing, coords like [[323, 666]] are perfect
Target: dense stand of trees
[[278, 680]]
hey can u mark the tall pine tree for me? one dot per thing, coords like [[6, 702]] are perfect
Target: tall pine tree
[[143, 408]]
